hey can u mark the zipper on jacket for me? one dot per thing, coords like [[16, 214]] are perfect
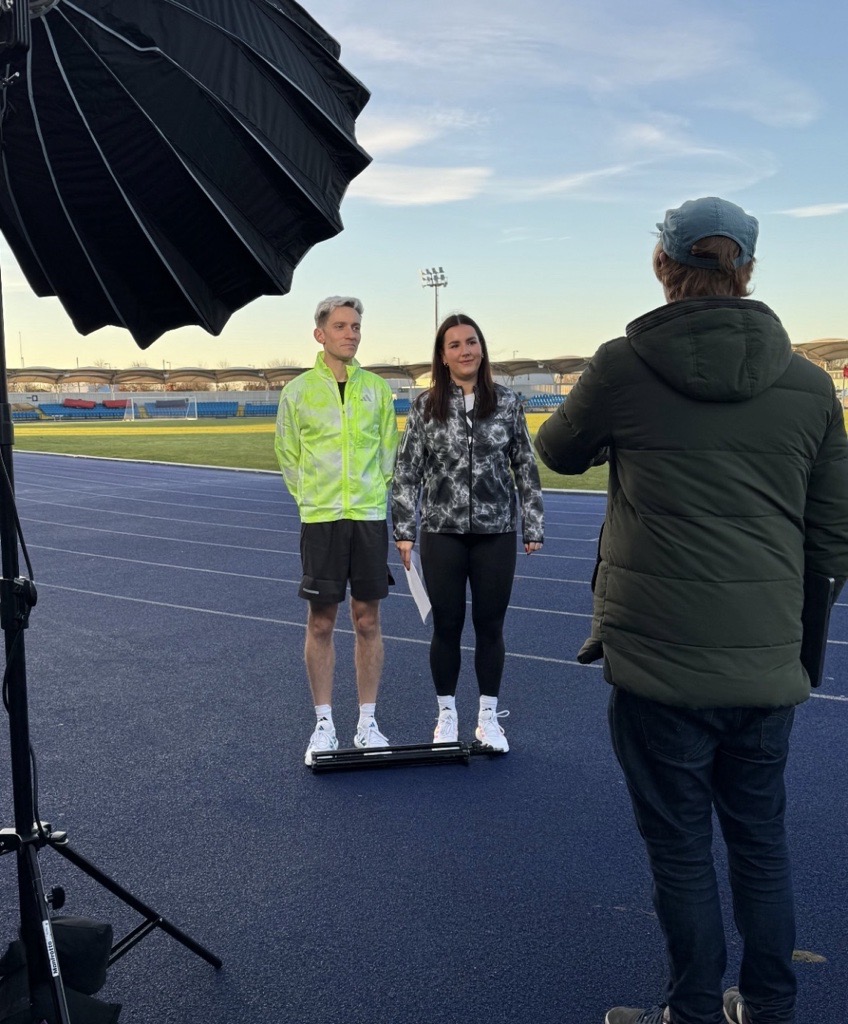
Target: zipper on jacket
[[345, 442], [469, 434]]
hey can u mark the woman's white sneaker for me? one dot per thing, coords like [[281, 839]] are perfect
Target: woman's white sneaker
[[447, 727], [489, 733]]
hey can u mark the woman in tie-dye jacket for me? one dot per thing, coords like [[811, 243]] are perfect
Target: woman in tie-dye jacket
[[464, 454]]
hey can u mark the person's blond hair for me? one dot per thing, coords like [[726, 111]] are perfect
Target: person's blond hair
[[682, 282], [326, 306]]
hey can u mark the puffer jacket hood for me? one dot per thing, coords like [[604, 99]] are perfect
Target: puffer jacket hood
[[713, 350]]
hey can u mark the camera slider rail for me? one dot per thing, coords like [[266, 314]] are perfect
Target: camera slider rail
[[358, 758]]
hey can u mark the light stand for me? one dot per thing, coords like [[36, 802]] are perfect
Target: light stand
[[17, 598], [434, 278]]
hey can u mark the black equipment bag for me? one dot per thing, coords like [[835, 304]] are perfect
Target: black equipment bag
[[83, 949]]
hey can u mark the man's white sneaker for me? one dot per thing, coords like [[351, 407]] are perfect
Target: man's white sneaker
[[368, 735], [447, 727], [489, 733], [324, 738]]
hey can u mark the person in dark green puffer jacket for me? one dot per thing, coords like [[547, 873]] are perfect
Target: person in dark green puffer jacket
[[728, 478]]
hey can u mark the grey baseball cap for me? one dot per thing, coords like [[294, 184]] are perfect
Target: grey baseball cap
[[702, 218]]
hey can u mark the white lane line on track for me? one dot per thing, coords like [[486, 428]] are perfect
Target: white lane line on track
[[158, 539], [552, 579], [156, 501], [142, 515], [549, 611], [232, 526], [147, 489], [181, 540], [339, 629], [284, 622], [143, 562], [237, 547]]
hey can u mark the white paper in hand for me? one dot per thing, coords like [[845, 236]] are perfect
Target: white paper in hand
[[417, 589]]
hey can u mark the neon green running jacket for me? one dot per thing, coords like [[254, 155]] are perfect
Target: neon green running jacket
[[337, 459]]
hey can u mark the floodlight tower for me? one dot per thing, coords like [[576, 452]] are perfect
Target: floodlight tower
[[434, 278]]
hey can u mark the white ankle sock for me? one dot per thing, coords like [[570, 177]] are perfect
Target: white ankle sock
[[326, 712], [366, 713], [447, 703], [488, 704]]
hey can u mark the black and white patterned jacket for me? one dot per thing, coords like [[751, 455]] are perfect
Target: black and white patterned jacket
[[463, 472]]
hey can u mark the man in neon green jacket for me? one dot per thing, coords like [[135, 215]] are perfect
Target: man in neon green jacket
[[336, 441]]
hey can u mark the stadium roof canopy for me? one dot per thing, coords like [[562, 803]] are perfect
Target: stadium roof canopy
[[272, 376], [823, 350]]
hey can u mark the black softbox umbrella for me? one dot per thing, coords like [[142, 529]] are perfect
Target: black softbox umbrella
[[165, 162], [162, 163]]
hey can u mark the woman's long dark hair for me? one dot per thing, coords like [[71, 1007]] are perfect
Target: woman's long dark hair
[[486, 399]]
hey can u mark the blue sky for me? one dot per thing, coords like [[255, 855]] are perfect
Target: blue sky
[[529, 148]]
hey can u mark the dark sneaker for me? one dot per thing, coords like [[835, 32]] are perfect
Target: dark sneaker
[[734, 1007], [630, 1015]]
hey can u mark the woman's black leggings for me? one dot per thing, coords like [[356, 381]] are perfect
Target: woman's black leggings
[[487, 562]]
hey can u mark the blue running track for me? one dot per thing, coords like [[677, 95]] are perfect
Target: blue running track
[[170, 712]]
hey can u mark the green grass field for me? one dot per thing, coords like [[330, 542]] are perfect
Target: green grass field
[[235, 443]]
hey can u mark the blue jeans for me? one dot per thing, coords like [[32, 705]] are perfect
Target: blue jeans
[[679, 764]]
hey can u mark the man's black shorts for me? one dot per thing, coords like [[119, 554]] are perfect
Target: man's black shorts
[[333, 553]]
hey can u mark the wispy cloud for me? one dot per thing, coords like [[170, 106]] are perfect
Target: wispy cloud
[[385, 134], [404, 185], [568, 184], [605, 49], [819, 210], [683, 169], [602, 102]]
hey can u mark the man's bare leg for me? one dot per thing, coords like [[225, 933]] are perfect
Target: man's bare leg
[[319, 651], [368, 652]]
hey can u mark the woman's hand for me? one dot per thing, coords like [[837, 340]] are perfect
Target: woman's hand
[[533, 545], [405, 548]]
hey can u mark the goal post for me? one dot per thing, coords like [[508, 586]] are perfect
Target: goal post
[[183, 408]]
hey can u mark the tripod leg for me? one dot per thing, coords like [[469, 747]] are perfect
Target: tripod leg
[[47, 995], [154, 919]]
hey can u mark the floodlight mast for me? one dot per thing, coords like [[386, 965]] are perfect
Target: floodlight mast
[[435, 278]]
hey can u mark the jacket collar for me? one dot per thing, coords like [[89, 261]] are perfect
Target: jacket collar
[[325, 371]]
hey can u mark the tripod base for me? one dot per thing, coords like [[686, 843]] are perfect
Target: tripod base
[[152, 919], [355, 758]]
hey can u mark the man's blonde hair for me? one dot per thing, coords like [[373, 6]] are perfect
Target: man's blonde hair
[[326, 306]]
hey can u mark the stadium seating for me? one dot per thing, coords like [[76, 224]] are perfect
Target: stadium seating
[[536, 403], [217, 409], [166, 410], [258, 409], [73, 410]]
